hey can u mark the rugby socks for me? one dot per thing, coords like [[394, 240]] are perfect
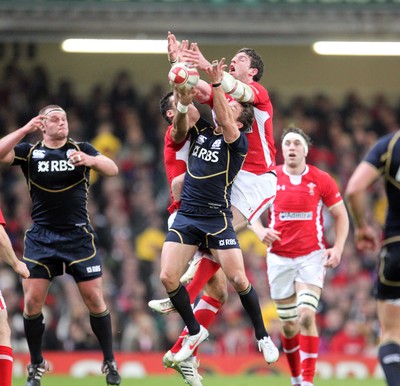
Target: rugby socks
[[6, 362], [34, 329], [101, 327], [205, 312], [204, 273], [181, 301], [308, 354], [291, 347], [249, 299], [389, 358]]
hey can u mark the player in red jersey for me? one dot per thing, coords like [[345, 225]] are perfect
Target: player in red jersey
[[6, 355], [297, 254]]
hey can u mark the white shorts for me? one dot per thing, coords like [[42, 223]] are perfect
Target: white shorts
[[253, 194], [2, 302], [283, 272]]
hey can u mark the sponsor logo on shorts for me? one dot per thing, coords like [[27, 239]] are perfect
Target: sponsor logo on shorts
[[292, 216], [227, 242], [93, 269]]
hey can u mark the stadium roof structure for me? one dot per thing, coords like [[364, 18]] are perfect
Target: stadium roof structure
[[207, 21]]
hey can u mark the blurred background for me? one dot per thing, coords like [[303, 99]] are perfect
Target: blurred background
[[343, 102]]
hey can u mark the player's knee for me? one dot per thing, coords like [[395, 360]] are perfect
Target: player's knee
[[290, 328], [239, 282], [306, 318], [307, 304], [168, 280]]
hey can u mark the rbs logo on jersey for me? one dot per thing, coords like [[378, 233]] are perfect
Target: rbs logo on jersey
[[54, 166], [204, 154]]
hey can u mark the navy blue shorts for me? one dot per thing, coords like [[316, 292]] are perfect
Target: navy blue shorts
[[47, 253], [214, 232], [388, 285]]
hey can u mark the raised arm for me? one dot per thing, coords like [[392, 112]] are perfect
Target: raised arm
[[240, 91], [186, 114], [8, 142], [223, 111]]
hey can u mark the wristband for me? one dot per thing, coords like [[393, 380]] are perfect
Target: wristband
[[216, 84], [182, 108]]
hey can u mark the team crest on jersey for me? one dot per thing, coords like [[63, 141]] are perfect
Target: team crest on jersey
[[38, 153], [201, 139], [280, 187], [216, 145], [311, 186], [70, 151]]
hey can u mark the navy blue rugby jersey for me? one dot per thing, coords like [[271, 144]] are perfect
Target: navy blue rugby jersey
[[58, 189], [385, 156], [212, 167]]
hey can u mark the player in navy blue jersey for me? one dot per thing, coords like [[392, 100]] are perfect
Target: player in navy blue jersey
[[61, 238], [205, 219], [383, 160]]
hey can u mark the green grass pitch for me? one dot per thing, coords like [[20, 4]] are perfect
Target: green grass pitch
[[208, 380]]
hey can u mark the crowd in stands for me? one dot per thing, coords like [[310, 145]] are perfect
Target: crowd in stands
[[129, 214]]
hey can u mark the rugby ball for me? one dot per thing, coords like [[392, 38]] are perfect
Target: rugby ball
[[182, 75]]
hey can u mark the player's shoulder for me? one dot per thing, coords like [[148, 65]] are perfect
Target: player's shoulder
[[389, 140], [314, 170]]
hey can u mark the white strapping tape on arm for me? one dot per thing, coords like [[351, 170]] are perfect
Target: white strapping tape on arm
[[240, 91]]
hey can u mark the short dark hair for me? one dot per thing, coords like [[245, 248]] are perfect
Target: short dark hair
[[293, 129], [165, 105], [247, 115], [255, 62]]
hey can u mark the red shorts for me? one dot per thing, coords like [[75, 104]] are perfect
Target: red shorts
[[2, 302]]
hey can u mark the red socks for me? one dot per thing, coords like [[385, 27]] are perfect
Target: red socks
[[204, 273], [205, 312], [6, 363], [309, 354], [291, 347]]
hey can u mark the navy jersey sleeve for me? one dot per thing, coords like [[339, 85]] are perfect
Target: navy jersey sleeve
[[240, 145], [88, 148], [376, 155], [22, 151]]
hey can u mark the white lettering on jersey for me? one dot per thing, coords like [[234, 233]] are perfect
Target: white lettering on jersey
[[54, 166], [206, 155], [295, 216]]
